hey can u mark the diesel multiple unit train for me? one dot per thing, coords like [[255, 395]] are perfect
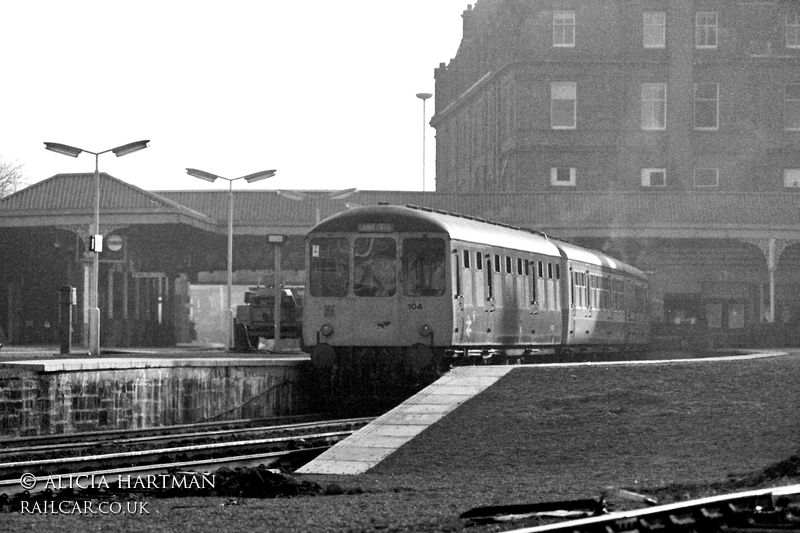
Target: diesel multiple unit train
[[402, 290]]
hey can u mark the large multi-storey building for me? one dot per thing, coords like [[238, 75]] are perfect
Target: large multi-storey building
[[666, 132], [628, 95]]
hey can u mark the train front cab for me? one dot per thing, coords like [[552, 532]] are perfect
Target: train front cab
[[378, 298]]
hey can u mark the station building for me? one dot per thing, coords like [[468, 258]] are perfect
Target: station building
[[666, 133], [663, 133]]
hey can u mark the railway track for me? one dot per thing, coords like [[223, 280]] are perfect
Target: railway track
[[34, 441], [61, 463], [62, 446], [763, 511]]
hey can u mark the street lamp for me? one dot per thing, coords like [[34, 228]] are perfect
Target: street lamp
[[250, 178], [96, 239], [423, 97], [316, 197]]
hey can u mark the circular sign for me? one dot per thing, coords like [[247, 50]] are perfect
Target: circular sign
[[114, 243]]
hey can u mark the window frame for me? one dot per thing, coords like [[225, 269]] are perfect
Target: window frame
[[555, 182], [716, 178], [646, 177], [655, 29], [704, 30], [715, 127], [794, 102], [433, 279], [791, 178], [565, 86], [561, 39], [653, 104], [324, 281], [792, 30]]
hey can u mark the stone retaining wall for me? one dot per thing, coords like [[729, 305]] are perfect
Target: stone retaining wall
[[40, 399]]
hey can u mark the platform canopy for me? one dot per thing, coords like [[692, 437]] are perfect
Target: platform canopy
[[68, 199]]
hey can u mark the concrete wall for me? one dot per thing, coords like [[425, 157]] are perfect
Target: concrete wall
[[88, 395]]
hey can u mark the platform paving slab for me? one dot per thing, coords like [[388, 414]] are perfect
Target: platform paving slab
[[374, 442]]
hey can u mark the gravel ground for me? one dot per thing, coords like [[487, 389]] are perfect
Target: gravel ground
[[671, 431]]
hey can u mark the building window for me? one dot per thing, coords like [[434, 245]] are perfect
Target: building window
[[705, 30], [654, 177], [793, 30], [655, 23], [706, 177], [791, 107], [562, 105], [706, 106], [654, 106], [562, 176], [564, 28], [791, 178]]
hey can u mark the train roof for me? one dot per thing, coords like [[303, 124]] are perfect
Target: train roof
[[458, 227], [595, 257], [467, 229]]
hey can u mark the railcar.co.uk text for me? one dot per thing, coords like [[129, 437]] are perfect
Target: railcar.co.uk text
[[189, 480]]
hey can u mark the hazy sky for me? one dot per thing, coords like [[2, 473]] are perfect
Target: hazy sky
[[323, 91]]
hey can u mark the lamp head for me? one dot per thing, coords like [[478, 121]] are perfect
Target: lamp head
[[258, 176], [424, 96], [202, 174], [129, 148], [63, 149]]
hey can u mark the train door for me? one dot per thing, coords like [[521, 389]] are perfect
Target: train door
[[509, 322], [477, 321], [493, 293], [523, 298], [460, 260], [376, 287], [546, 326]]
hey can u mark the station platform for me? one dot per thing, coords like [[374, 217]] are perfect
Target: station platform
[[374, 442], [45, 392]]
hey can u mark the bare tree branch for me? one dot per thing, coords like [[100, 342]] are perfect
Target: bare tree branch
[[12, 176]]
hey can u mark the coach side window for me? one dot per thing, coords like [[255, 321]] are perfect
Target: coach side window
[[329, 267], [424, 267]]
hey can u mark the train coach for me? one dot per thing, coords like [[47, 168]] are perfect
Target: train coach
[[406, 289]]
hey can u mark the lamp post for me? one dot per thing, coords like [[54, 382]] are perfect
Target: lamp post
[[250, 178], [96, 246], [316, 197], [423, 97]]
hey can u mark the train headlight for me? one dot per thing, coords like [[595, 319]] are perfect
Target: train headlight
[[425, 330], [326, 329]]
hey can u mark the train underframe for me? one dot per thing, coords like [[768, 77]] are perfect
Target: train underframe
[[362, 381]]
